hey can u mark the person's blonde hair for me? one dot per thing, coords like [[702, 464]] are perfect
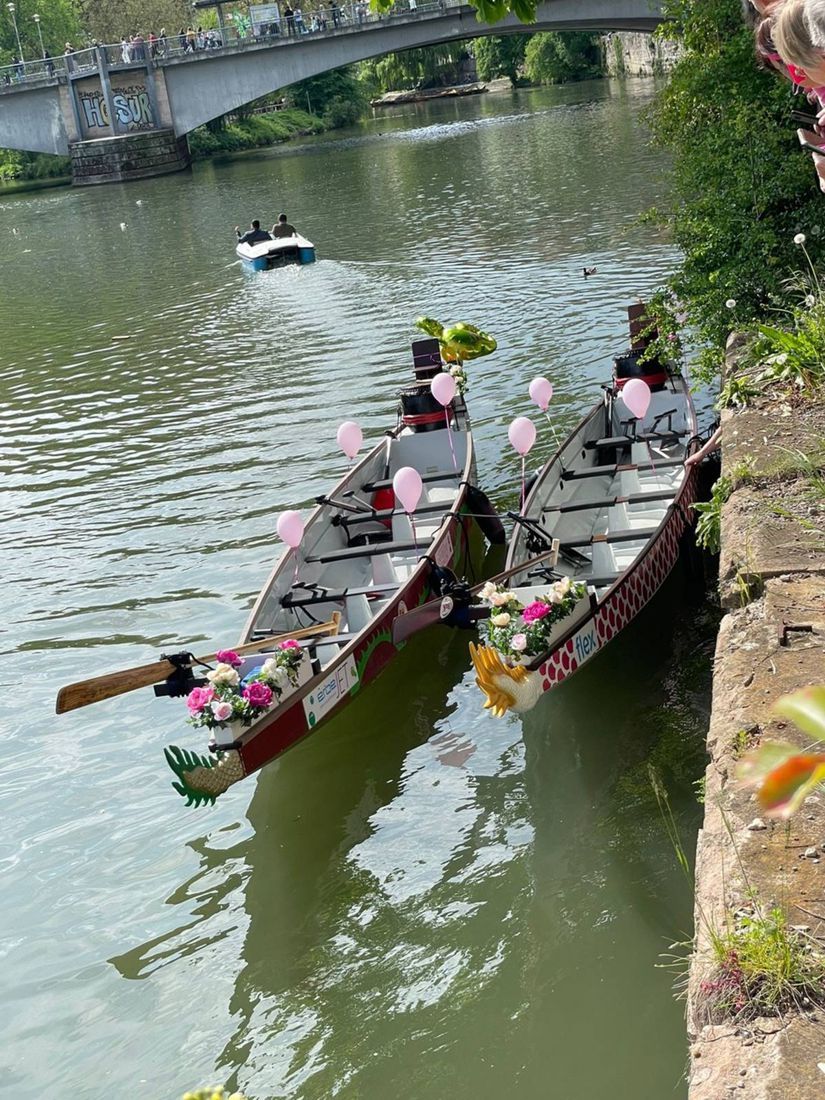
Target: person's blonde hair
[[792, 37], [815, 21]]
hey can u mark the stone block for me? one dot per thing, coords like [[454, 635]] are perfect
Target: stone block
[[128, 157]]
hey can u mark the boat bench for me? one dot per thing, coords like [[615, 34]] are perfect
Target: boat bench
[[306, 643], [604, 471], [371, 486], [642, 437], [608, 502], [307, 597], [638, 534], [368, 551], [386, 513]]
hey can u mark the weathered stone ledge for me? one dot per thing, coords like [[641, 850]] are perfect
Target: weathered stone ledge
[[771, 642]]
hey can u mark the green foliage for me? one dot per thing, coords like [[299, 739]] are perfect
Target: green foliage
[[709, 526], [337, 97], [487, 11], [109, 20], [15, 165], [741, 187], [500, 56], [252, 132], [552, 58], [59, 23], [428, 67], [764, 968]]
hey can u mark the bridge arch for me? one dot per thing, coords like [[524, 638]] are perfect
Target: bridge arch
[[217, 83]]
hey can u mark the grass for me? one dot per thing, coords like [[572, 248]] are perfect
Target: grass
[[709, 525], [764, 967], [254, 132]]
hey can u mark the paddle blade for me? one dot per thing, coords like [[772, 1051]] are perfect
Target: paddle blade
[[114, 683]]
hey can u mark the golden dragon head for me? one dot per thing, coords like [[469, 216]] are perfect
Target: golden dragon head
[[506, 688]]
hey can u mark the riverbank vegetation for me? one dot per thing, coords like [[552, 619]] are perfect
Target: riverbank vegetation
[[252, 132], [742, 189]]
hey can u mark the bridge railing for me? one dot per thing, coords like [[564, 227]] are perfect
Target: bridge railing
[[323, 21]]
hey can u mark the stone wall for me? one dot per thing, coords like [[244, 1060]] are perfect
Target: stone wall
[[630, 53], [771, 642], [129, 157]]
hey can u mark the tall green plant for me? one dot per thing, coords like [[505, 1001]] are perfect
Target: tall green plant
[[500, 56], [554, 58], [741, 188]]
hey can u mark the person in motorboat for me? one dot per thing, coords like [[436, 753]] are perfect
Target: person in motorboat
[[282, 228], [254, 235]]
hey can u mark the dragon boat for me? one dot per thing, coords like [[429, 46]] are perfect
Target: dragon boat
[[610, 509], [362, 563]]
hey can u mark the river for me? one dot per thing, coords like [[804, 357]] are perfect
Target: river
[[420, 901]]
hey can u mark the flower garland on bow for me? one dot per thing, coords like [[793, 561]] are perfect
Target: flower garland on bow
[[516, 630], [228, 698]]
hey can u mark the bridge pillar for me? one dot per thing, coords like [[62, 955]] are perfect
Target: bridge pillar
[[123, 125]]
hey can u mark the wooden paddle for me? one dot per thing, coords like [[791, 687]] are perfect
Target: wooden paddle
[[85, 692]]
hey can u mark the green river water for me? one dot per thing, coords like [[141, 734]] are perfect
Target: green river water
[[419, 901]]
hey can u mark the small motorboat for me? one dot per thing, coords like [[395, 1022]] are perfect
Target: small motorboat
[[610, 508], [279, 252], [362, 563]]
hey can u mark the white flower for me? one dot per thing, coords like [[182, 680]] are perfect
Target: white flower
[[488, 590], [500, 620], [223, 674], [564, 585], [810, 300], [731, 303], [221, 709], [799, 238], [500, 599], [782, 359], [269, 666], [518, 642]]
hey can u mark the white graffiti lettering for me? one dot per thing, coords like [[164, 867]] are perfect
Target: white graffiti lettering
[[132, 108]]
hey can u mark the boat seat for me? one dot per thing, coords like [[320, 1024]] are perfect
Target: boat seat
[[389, 513], [383, 572], [612, 470], [308, 597], [607, 502], [642, 437], [386, 483], [619, 518], [641, 534], [378, 548], [603, 560]]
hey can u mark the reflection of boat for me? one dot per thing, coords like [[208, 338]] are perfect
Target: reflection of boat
[[277, 253], [615, 501], [365, 560]]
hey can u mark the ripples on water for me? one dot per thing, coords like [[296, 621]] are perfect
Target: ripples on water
[[417, 900]]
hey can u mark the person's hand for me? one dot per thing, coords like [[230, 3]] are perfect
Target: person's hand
[[819, 166]]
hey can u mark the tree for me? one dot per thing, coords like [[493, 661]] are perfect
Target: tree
[[59, 23], [554, 58], [427, 67], [110, 20], [741, 186], [500, 56], [489, 11], [338, 97]]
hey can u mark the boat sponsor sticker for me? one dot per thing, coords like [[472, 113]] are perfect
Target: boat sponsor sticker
[[585, 643], [444, 554], [331, 689]]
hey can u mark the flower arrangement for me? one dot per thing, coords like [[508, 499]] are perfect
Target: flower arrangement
[[228, 698], [460, 376], [519, 631]]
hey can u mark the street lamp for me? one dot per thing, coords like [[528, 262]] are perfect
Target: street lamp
[[12, 10], [36, 18]]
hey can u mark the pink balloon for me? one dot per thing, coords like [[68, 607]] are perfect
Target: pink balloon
[[636, 395], [291, 528], [443, 388], [541, 391], [350, 437], [522, 434], [407, 486]]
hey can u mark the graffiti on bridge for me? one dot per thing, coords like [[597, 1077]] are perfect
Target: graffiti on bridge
[[132, 109]]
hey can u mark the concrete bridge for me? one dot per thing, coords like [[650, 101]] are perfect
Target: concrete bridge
[[130, 120]]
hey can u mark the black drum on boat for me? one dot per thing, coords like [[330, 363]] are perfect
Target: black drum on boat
[[420, 410], [630, 365]]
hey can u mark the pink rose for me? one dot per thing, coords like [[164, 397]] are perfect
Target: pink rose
[[518, 642], [290, 643], [228, 657], [197, 699], [221, 710], [258, 694], [536, 610]]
